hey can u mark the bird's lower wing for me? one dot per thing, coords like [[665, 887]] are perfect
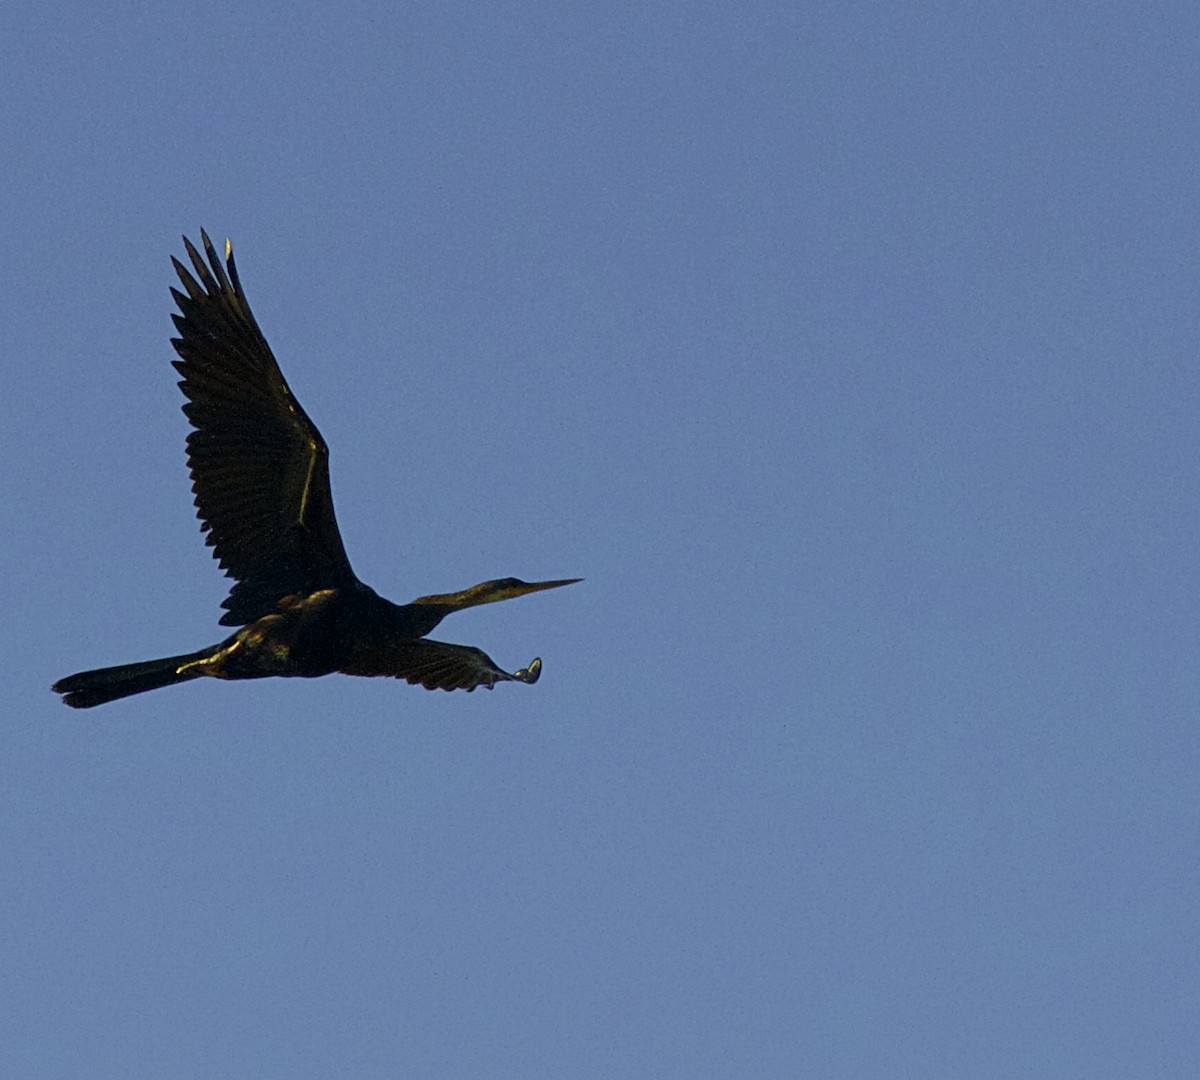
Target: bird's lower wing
[[437, 665]]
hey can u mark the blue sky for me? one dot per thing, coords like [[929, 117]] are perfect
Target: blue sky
[[848, 351]]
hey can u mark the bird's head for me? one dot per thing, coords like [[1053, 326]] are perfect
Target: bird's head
[[490, 592]]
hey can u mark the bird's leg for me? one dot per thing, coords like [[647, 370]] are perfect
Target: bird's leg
[[212, 664], [254, 652]]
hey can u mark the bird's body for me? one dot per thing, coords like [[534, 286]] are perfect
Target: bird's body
[[260, 472]]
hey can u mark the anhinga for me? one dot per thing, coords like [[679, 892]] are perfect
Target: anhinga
[[260, 472]]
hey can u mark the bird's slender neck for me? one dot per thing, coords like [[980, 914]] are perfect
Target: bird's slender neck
[[455, 601]]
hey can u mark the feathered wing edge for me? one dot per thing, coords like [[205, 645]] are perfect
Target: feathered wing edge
[[259, 466], [439, 665]]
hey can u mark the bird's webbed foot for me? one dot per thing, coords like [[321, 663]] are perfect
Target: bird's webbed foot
[[529, 674]]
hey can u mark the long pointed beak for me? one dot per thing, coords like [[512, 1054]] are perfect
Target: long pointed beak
[[537, 586]]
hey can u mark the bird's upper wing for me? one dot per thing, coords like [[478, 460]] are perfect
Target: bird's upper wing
[[259, 467], [437, 665]]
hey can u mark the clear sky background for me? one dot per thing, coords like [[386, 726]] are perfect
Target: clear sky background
[[849, 351]]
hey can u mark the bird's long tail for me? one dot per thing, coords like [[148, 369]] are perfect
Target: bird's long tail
[[90, 688]]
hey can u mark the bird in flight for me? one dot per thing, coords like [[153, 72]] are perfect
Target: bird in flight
[[260, 473]]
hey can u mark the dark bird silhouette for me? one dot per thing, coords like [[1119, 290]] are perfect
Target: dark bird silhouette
[[260, 472]]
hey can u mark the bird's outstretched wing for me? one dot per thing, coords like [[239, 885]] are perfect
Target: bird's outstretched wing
[[259, 467], [437, 665]]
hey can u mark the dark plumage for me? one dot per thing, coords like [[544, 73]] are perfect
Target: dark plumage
[[260, 472]]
